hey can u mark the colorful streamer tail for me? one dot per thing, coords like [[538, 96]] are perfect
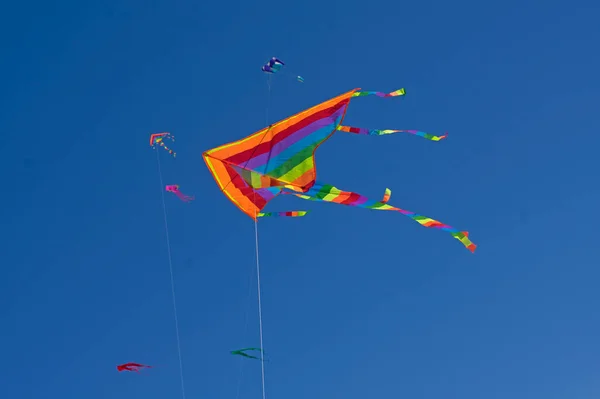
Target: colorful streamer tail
[[329, 193], [395, 93], [291, 214], [379, 132]]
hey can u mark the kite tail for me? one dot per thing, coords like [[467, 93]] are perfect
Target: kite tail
[[395, 93], [170, 151], [386, 196], [380, 132], [329, 193], [183, 197], [291, 214]]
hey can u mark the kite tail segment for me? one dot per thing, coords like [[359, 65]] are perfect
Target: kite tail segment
[[291, 214], [170, 151], [395, 93], [386, 196], [329, 193], [381, 132], [185, 198]]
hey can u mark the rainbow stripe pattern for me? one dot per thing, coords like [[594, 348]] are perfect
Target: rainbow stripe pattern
[[291, 214], [279, 159], [329, 193], [379, 132], [395, 93]]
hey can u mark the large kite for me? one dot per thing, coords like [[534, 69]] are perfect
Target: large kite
[[279, 159]]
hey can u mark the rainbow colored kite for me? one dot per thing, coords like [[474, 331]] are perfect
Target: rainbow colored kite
[[159, 139], [279, 159]]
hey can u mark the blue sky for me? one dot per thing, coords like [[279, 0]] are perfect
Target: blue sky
[[356, 303]]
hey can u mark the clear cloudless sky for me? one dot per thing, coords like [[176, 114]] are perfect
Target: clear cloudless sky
[[357, 304]]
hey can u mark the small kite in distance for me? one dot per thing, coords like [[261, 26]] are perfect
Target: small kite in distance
[[274, 65], [132, 367], [174, 188], [159, 139], [241, 352]]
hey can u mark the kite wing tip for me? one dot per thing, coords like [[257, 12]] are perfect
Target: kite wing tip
[[440, 138], [386, 196], [463, 237]]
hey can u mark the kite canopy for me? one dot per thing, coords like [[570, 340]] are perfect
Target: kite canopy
[[279, 159], [273, 65], [252, 171]]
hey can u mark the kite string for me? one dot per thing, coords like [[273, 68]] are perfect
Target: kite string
[[242, 361], [162, 193], [260, 326], [262, 360], [268, 101]]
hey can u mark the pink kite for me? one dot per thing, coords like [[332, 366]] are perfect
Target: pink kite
[[132, 367], [174, 188]]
